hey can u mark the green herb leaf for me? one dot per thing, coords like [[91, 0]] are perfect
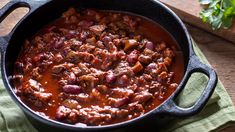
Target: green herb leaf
[[218, 13], [227, 22]]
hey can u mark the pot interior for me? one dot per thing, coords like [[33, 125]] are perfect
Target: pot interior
[[53, 10]]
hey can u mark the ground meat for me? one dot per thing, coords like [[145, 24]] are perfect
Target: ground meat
[[95, 68], [98, 29]]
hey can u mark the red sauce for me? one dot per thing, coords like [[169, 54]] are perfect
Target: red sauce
[[98, 67]]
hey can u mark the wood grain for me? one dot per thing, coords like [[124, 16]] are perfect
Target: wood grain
[[219, 52], [188, 10]]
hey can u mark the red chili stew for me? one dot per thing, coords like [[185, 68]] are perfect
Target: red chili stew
[[94, 67]]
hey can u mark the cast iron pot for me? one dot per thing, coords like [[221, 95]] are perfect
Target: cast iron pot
[[42, 12]]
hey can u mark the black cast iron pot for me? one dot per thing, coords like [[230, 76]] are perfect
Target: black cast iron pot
[[43, 12]]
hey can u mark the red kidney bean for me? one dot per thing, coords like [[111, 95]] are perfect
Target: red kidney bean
[[149, 45], [106, 40], [123, 80], [85, 23], [121, 102], [133, 57], [72, 89], [110, 78], [151, 66], [72, 78], [143, 97]]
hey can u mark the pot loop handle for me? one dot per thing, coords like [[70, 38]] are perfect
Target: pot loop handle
[[195, 65], [9, 7]]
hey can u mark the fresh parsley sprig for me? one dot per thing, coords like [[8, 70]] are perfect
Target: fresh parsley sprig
[[218, 13]]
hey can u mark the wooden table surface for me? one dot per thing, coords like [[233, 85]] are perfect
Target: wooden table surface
[[189, 12], [219, 52]]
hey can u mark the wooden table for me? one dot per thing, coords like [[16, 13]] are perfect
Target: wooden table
[[219, 52]]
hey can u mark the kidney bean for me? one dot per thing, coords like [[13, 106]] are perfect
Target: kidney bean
[[149, 45], [133, 56], [72, 78], [110, 78], [106, 40], [122, 113], [119, 102], [123, 80], [143, 97], [72, 89], [85, 23]]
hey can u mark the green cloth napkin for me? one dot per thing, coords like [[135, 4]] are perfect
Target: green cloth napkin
[[218, 113]]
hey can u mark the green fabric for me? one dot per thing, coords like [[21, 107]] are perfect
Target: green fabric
[[218, 113]]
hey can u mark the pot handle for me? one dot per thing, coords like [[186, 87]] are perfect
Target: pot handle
[[195, 65], [9, 7]]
